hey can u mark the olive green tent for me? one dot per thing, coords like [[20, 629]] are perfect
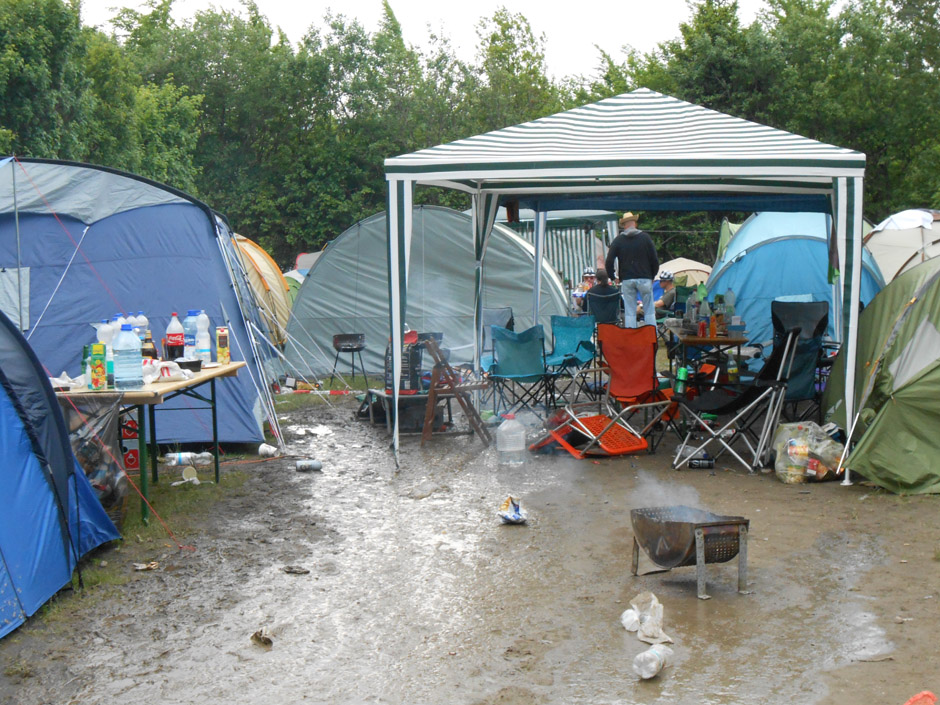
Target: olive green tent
[[897, 384]]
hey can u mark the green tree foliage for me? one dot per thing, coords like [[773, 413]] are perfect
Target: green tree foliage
[[44, 98], [289, 140]]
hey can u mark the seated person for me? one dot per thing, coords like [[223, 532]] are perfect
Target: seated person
[[668, 300], [603, 287]]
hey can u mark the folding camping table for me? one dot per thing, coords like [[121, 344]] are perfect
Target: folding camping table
[[134, 400]]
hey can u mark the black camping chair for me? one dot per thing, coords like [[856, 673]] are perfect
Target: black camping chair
[[804, 384], [746, 404], [604, 307]]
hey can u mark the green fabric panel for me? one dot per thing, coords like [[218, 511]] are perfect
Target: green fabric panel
[[899, 450], [876, 325]]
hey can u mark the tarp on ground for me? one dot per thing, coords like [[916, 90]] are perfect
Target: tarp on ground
[[347, 291], [90, 242], [775, 255], [897, 385], [904, 240], [51, 516]]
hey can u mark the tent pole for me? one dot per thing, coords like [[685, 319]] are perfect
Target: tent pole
[[19, 265]]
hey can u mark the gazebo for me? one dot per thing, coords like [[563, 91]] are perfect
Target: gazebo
[[640, 151]]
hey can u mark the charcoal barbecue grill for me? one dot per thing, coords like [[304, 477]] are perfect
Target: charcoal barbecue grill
[[352, 343], [681, 536]]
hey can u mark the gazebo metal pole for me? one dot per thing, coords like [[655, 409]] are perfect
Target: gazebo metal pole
[[540, 223]]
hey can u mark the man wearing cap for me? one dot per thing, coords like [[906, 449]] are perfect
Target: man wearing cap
[[636, 265]]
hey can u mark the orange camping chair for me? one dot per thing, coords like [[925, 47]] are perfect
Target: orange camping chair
[[603, 427]]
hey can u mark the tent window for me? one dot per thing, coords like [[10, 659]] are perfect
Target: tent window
[[12, 282], [920, 352]]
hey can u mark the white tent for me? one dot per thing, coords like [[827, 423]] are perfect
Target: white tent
[[639, 150], [347, 289], [904, 240]]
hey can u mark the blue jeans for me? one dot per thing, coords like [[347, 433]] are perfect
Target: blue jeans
[[630, 288]]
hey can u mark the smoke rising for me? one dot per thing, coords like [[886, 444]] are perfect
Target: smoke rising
[[651, 491]]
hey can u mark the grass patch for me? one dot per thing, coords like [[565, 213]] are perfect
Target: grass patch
[[19, 670], [110, 567]]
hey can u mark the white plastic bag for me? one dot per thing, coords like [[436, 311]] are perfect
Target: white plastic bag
[[650, 613]]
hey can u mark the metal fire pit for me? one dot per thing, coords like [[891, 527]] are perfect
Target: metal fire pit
[[679, 536]]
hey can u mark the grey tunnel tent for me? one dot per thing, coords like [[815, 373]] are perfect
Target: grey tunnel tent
[[639, 151], [347, 289]]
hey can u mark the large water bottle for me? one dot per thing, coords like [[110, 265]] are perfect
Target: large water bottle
[[189, 334], [203, 341], [128, 360], [142, 324], [510, 441]]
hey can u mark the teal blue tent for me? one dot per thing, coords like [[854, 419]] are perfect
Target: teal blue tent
[[782, 255]]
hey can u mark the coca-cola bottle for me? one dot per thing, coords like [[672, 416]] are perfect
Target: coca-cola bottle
[[175, 338]]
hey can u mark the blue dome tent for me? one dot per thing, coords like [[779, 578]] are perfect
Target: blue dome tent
[[51, 516], [79, 242], [778, 255]]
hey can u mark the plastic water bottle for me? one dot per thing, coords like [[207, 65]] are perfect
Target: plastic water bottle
[[203, 341], [128, 360], [510, 441], [106, 335], [187, 458], [189, 334], [142, 325], [649, 663]]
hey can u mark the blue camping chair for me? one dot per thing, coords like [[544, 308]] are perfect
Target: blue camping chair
[[519, 375], [574, 344]]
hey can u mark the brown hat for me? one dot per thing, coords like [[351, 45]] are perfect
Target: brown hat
[[627, 217]]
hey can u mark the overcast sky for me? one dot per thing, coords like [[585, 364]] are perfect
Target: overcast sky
[[571, 29]]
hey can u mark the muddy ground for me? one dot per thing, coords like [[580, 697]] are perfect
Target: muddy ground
[[418, 594]]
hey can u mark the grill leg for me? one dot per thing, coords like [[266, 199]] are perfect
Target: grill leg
[[333, 372], [742, 560], [362, 368], [700, 563], [635, 564]]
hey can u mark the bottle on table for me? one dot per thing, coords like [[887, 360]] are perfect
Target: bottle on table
[[128, 360], [147, 348], [142, 325], [111, 330], [189, 334], [511, 441], [175, 338], [203, 340]]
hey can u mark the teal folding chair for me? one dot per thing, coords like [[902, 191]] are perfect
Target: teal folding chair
[[574, 346], [519, 374]]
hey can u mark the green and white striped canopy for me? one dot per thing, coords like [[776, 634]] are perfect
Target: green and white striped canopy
[[642, 138], [640, 150]]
